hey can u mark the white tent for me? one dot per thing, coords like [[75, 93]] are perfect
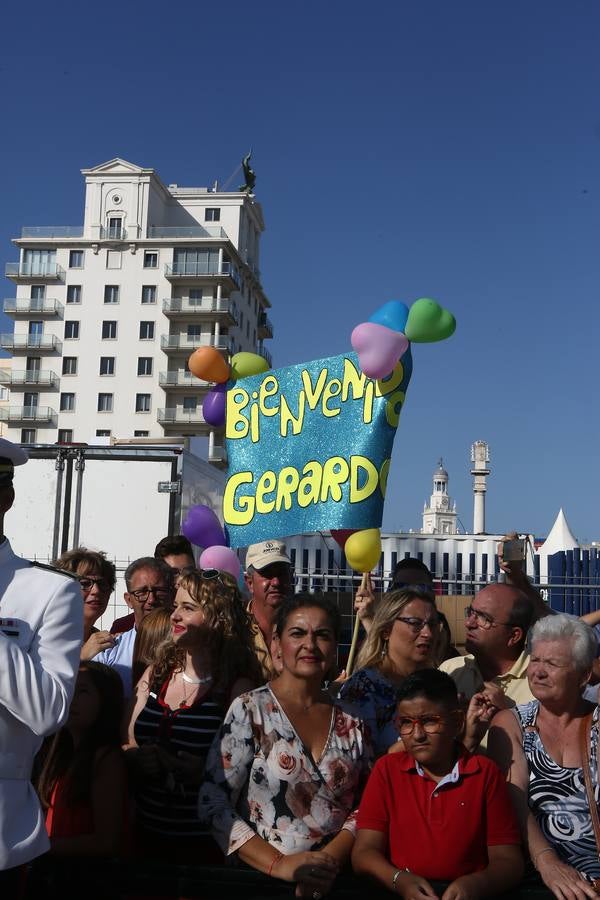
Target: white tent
[[560, 538]]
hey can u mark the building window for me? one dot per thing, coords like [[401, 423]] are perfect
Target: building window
[[113, 259], [105, 402], [111, 293], [65, 435], [107, 365], [69, 365], [146, 331], [76, 259], [190, 404], [67, 402], [195, 296], [144, 365], [74, 293], [109, 330], [149, 293], [142, 403], [151, 259], [212, 214], [71, 330], [28, 435], [103, 432], [115, 228], [141, 434]]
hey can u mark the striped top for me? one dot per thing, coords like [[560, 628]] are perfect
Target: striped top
[[166, 806]]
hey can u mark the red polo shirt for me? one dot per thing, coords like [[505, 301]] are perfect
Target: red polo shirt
[[439, 831]]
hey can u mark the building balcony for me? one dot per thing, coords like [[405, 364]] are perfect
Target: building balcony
[[29, 379], [35, 271], [176, 420], [41, 415], [43, 343], [116, 233], [183, 307], [188, 271], [54, 232], [265, 326], [181, 381], [262, 351], [181, 343], [23, 306], [196, 232]]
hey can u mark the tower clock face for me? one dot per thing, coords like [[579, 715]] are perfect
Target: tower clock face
[[444, 502]]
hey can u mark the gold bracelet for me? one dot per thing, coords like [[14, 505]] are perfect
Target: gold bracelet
[[396, 875]]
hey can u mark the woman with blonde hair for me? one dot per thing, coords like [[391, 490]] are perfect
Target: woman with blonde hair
[[400, 641], [180, 702]]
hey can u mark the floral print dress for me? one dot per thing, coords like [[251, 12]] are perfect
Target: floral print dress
[[261, 780]]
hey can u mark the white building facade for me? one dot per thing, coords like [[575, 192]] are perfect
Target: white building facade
[[107, 314]]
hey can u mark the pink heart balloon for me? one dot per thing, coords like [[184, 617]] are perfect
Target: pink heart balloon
[[379, 348], [222, 558]]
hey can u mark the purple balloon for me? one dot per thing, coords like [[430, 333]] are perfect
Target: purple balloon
[[213, 405], [222, 558], [202, 527]]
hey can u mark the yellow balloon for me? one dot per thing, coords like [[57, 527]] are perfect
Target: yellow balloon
[[363, 549], [244, 364]]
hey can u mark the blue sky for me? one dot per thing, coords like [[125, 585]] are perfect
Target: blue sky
[[448, 150]]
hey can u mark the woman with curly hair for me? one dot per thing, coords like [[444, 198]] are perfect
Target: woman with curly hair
[[179, 705]]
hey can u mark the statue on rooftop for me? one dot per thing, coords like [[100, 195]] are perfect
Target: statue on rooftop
[[249, 174]]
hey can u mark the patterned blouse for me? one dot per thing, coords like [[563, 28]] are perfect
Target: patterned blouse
[[370, 696], [261, 779], [557, 796]]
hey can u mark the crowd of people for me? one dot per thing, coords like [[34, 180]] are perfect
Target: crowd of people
[[212, 725]]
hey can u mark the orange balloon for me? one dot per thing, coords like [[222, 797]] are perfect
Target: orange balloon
[[208, 364]]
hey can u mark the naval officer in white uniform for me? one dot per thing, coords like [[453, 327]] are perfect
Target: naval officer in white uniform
[[41, 630]]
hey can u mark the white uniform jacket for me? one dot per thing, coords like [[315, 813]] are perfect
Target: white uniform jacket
[[41, 629]]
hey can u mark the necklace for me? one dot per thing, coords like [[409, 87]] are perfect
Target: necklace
[[206, 679]]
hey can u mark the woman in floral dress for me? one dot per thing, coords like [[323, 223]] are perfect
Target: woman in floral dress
[[284, 775]]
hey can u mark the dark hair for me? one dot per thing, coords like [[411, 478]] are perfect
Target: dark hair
[[91, 561], [173, 544], [149, 562], [522, 613], [432, 684], [77, 765], [304, 600]]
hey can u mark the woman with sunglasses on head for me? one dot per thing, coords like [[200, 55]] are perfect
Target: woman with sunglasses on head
[[400, 641], [97, 577], [179, 705], [285, 773]]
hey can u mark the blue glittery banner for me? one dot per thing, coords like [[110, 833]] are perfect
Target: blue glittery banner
[[309, 448]]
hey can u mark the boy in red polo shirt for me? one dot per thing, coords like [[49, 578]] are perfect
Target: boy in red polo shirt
[[436, 811]]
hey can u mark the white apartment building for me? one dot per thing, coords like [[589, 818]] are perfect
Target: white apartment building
[[106, 314]]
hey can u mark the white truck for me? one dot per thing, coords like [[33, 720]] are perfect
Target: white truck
[[121, 499]]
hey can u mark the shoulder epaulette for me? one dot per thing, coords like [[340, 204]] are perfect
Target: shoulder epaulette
[[39, 565]]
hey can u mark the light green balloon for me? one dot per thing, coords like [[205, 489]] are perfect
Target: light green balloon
[[428, 321], [245, 364]]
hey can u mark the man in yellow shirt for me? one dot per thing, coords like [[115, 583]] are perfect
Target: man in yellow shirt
[[269, 580], [497, 622]]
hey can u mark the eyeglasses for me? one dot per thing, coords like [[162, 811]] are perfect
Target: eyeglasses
[[158, 593], [417, 624], [429, 724], [483, 620], [211, 575], [87, 583]]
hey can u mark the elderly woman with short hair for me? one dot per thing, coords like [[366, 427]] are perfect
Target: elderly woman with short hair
[[545, 746]]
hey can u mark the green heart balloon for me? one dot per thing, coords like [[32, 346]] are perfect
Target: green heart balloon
[[428, 321]]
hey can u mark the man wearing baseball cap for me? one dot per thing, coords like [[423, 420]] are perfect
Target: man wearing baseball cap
[[269, 580], [41, 631]]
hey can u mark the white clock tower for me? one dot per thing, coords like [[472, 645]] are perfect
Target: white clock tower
[[439, 516]]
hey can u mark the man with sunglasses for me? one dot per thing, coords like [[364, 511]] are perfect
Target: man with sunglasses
[[269, 579], [149, 583], [41, 626], [496, 622]]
